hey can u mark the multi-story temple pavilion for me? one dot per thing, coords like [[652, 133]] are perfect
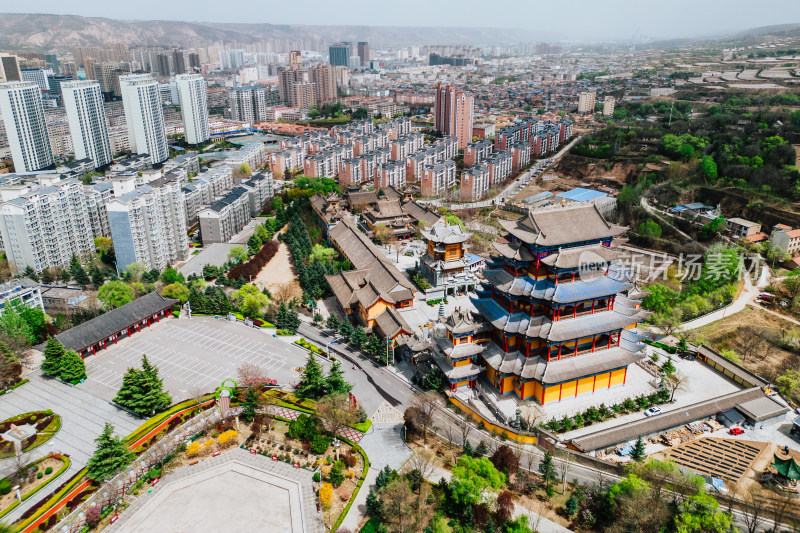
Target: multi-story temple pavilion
[[458, 345], [562, 312]]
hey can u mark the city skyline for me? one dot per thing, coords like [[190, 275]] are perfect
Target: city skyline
[[620, 20]]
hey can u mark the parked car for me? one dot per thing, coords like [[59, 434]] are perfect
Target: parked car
[[736, 431], [652, 411]]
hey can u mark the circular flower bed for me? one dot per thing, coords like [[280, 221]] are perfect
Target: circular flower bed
[[46, 423]]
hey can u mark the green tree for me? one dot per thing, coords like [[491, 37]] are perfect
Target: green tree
[[471, 476], [81, 277], [708, 168], [237, 254], [359, 337], [115, 293], [170, 276], [245, 169], [177, 291], [142, 391], [253, 244], [252, 401], [346, 329], [53, 353], [110, 457], [312, 382], [701, 513], [789, 383], [322, 253], [26, 325], [668, 367], [638, 454], [335, 380], [72, 367], [98, 276], [548, 470], [332, 322], [650, 230], [249, 300]]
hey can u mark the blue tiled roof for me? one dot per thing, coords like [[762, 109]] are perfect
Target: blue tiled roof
[[577, 291]]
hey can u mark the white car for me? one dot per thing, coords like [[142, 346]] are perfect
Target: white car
[[652, 411]]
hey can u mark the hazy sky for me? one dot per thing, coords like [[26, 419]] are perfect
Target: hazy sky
[[572, 19]]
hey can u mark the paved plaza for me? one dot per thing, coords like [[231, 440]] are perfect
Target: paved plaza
[[82, 418], [236, 491], [193, 356]]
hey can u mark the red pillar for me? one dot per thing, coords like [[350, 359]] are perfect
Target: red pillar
[[594, 342], [559, 352], [594, 383], [609, 341], [619, 336], [574, 311], [592, 306], [625, 377], [576, 347], [573, 276]]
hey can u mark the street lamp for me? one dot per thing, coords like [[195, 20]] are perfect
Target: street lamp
[[117, 267]]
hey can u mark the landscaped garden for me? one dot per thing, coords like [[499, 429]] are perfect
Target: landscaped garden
[[31, 478], [46, 425]]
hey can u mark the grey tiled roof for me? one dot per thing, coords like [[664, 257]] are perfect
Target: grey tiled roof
[[557, 227], [105, 325]]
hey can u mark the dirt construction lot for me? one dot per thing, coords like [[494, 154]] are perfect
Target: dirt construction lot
[[278, 273]]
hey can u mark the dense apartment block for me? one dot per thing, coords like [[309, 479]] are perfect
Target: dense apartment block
[[391, 174], [477, 152], [44, 226], [474, 182], [148, 226], [86, 114], [226, 217], [437, 178], [97, 196], [260, 191], [253, 154], [26, 129]]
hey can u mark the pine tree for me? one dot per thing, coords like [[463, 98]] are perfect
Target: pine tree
[[281, 318], [375, 345], [332, 322], [547, 469], [638, 454], [345, 329], [110, 457], [374, 505], [312, 383], [97, 275], [250, 404], [142, 391], [74, 265], [359, 337], [81, 277], [71, 367], [335, 379], [292, 320], [53, 353]]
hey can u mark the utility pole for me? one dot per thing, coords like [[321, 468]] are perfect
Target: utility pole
[[670, 113]]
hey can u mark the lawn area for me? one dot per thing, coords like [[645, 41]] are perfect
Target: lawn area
[[38, 474]]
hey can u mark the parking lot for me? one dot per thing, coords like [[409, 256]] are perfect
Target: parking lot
[[193, 356]]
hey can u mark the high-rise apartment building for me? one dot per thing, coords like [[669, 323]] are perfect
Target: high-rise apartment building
[[141, 99], [148, 226], [249, 104], [162, 64], [364, 53], [586, 101], [193, 94], [179, 61], [339, 54], [454, 113], [295, 59], [43, 228], [9, 68], [608, 106], [26, 129], [108, 75], [324, 79], [53, 63], [37, 76], [287, 79], [83, 102], [194, 62]]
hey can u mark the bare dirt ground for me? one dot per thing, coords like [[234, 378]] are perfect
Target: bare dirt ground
[[722, 335], [279, 272]]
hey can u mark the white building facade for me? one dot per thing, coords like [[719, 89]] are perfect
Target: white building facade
[[145, 117], [86, 115], [192, 91], [26, 128]]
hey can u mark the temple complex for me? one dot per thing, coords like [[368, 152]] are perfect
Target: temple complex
[[562, 314], [445, 264]]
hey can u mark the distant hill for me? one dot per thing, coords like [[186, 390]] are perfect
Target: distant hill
[[41, 32]]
